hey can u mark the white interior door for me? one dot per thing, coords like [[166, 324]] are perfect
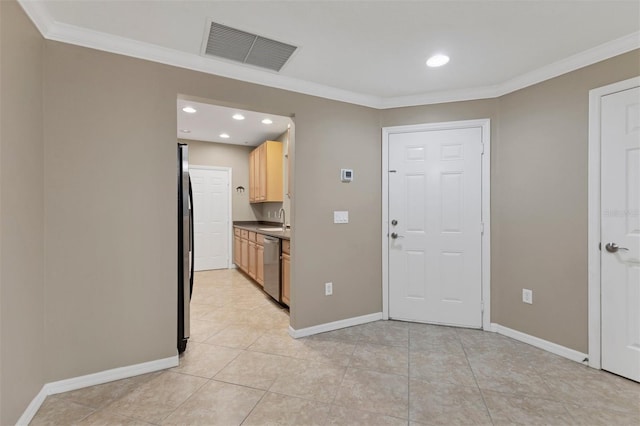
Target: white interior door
[[435, 229], [211, 217], [620, 225]]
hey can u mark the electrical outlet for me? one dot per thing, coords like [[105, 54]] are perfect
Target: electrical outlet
[[527, 296], [328, 289]]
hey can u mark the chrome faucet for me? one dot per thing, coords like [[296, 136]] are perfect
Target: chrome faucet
[[281, 215]]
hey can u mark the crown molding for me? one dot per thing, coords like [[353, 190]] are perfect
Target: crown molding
[[572, 63], [38, 15], [57, 31], [128, 47], [588, 57], [440, 97]]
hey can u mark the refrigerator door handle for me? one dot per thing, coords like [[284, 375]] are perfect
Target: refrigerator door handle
[[191, 240]]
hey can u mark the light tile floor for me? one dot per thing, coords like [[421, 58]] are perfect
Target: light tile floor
[[241, 367]]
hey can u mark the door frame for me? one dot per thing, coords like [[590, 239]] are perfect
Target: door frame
[[594, 271], [485, 125], [230, 210]]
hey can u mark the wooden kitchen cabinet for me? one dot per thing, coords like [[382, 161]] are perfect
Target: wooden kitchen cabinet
[[286, 272], [237, 250], [253, 266], [244, 250], [249, 254], [252, 176], [253, 252], [260, 259], [265, 173]]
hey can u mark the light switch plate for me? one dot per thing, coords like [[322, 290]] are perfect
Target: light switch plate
[[340, 217]]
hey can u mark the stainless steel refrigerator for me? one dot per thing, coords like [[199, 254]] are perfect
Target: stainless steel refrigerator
[[185, 246]]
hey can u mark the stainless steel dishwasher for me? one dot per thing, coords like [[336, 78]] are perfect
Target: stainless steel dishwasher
[[271, 259]]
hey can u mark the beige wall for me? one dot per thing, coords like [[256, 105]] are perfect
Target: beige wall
[[332, 137], [539, 145], [227, 155], [21, 213], [110, 195], [110, 220], [539, 203]]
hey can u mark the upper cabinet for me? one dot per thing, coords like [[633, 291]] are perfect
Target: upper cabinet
[[265, 173]]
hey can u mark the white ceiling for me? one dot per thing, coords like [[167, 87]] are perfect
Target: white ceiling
[[209, 121], [366, 52]]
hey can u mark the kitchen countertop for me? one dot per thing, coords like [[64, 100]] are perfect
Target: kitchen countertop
[[254, 227]]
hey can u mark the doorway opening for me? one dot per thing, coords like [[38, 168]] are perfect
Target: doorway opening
[[229, 306]]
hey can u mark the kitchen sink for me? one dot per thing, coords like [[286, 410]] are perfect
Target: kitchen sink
[[269, 229]]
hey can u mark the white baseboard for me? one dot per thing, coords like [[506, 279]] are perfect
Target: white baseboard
[[92, 380], [33, 408], [336, 325], [554, 348]]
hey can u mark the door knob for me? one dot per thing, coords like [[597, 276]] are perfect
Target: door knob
[[613, 248], [396, 236]]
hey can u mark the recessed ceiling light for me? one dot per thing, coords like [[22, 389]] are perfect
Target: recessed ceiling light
[[437, 60], [185, 130], [238, 117], [224, 136], [189, 109], [267, 121]]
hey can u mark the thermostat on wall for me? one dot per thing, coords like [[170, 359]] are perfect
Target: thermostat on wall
[[346, 175]]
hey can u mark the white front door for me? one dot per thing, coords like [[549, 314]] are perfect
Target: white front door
[[211, 217], [620, 232], [435, 229]]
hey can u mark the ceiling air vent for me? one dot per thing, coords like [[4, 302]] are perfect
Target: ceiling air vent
[[241, 46]]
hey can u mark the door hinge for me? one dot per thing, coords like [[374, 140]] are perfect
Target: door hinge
[[482, 307], [482, 149], [482, 228]]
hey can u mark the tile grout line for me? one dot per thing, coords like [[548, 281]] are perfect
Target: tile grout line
[[254, 407], [183, 402], [564, 402], [355, 346], [475, 379]]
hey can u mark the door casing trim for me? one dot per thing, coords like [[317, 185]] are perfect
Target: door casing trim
[[230, 209], [594, 272], [485, 125]]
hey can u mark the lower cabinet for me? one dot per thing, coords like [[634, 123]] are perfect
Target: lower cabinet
[[237, 247], [260, 259], [244, 250], [248, 255], [286, 272], [253, 251]]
